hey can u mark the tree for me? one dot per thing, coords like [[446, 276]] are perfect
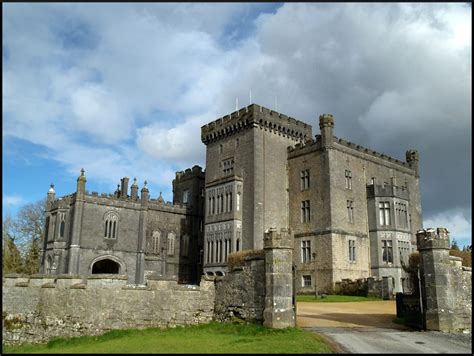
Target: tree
[[11, 257], [454, 245]]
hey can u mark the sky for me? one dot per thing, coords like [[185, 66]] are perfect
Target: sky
[[122, 89]]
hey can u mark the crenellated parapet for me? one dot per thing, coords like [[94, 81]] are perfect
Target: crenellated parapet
[[190, 173], [275, 239], [255, 116], [431, 238]]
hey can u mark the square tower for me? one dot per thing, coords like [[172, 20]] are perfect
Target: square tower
[[246, 180]]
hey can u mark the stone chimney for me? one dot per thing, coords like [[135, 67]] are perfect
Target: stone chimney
[[124, 187], [134, 190]]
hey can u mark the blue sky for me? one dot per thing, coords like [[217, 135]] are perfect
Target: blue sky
[[122, 89]]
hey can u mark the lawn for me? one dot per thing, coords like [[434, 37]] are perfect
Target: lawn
[[209, 338], [334, 298]]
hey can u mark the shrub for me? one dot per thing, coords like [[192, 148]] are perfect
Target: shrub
[[237, 259]]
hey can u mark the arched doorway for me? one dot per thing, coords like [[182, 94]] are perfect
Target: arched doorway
[[106, 266]]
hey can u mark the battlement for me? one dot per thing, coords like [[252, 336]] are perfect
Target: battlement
[[312, 145], [275, 239], [432, 238], [387, 190], [196, 171], [254, 116]]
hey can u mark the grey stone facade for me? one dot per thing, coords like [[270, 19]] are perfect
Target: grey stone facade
[[88, 233], [354, 212]]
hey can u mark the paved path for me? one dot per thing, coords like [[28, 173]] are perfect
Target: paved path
[[367, 327]]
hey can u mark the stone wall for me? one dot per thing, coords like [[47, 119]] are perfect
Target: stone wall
[[241, 292], [446, 286], [40, 307]]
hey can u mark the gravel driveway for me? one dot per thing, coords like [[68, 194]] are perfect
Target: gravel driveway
[[367, 327]]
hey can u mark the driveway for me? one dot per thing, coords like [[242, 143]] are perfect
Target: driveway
[[367, 327]]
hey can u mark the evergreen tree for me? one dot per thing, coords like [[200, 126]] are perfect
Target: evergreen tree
[[454, 245]]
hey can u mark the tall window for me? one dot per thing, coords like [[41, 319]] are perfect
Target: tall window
[[350, 211], [305, 251], [186, 196], [305, 211], [306, 281], [238, 201], [171, 241], [352, 251], [213, 205], [230, 201], [62, 217], [384, 213], [387, 251], [304, 177], [404, 250], [155, 240], [46, 229], [228, 165], [111, 225], [220, 148], [236, 142], [348, 179]]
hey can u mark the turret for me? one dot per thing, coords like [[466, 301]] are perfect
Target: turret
[[413, 161], [51, 194], [124, 187], [326, 125], [134, 190], [145, 194], [81, 183]]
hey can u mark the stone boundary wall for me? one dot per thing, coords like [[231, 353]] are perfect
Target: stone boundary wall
[[40, 307], [241, 292], [460, 286], [379, 287]]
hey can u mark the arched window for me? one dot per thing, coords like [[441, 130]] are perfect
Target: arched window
[[238, 201], [230, 201], [155, 240], [106, 266], [237, 245], [111, 225], [62, 217], [171, 240]]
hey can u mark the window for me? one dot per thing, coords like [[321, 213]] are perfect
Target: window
[[238, 201], [350, 211], [62, 224], [305, 211], [404, 250], [111, 225], [306, 281], [387, 252], [46, 230], [372, 181], [402, 216], [202, 192], [384, 213], [171, 240], [305, 251], [186, 196], [228, 165], [155, 240], [348, 179], [236, 142], [220, 148], [304, 176], [237, 245], [213, 205], [209, 208], [352, 251], [230, 201]]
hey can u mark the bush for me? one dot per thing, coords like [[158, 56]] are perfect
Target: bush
[[237, 259]]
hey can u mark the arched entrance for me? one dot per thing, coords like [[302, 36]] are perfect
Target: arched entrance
[[106, 266]]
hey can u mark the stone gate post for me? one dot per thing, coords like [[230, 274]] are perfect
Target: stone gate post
[[278, 312], [433, 245]]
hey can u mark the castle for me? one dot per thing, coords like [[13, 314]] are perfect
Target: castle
[[352, 212]]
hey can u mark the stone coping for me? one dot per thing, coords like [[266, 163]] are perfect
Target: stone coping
[[107, 276]]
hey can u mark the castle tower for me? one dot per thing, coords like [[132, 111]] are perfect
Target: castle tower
[[413, 158], [74, 248], [246, 180]]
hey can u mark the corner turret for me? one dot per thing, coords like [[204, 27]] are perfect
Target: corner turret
[[145, 196], [413, 158], [326, 125], [51, 194], [81, 183], [134, 190]]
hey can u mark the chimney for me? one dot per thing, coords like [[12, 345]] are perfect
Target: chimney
[[326, 125]]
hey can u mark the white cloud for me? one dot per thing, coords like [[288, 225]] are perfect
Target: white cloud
[[13, 200]]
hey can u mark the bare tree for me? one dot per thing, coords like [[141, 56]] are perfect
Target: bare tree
[[11, 257]]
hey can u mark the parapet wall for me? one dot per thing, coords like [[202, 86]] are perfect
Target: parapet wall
[[40, 307]]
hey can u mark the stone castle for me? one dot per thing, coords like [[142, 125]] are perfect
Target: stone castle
[[352, 212]]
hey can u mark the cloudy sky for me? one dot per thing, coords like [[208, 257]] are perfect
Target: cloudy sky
[[123, 89]]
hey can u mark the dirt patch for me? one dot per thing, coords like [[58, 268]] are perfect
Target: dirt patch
[[376, 314]]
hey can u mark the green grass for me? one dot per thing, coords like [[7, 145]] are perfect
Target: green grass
[[209, 338], [332, 298]]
